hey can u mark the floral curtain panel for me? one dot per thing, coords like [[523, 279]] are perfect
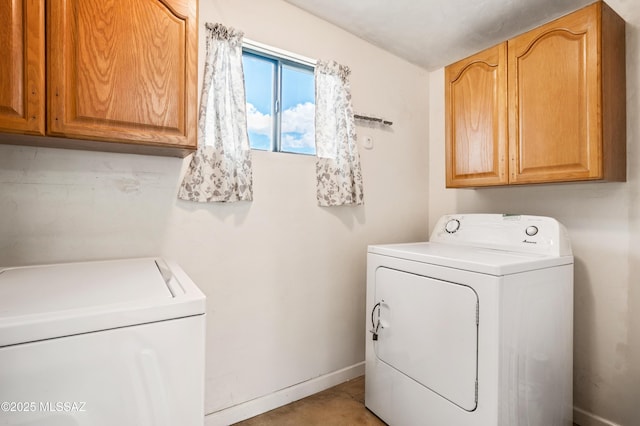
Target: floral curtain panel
[[339, 178], [220, 169]]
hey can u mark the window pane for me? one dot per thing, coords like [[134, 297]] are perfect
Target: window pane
[[298, 109], [258, 78]]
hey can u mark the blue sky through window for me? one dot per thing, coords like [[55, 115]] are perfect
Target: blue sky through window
[[297, 132], [298, 110], [259, 74]]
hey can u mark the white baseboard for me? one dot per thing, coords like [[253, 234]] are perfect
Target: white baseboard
[[282, 397], [585, 418]]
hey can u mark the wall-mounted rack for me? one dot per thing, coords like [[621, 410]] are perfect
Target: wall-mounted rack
[[373, 119]]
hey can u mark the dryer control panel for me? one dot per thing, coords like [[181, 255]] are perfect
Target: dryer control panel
[[520, 233]]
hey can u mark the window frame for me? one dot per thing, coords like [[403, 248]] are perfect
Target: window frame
[[279, 58]]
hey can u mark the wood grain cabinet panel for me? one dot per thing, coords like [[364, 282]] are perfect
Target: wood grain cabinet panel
[[120, 75], [22, 67], [476, 119], [121, 70], [566, 102]]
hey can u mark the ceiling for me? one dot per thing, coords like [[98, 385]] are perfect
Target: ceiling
[[435, 33]]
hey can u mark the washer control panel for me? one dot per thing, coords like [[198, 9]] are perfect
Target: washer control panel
[[523, 233]]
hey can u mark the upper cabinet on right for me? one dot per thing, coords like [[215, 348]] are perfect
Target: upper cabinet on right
[[565, 104]]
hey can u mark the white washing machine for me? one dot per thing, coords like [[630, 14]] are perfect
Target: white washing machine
[[101, 344], [474, 327]]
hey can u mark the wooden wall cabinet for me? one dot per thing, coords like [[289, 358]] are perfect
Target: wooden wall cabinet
[[564, 102], [22, 93], [476, 119], [120, 75]]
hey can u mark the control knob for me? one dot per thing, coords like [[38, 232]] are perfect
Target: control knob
[[452, 226]]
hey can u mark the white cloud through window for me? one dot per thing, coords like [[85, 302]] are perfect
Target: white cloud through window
[[296, 121], [258, 122], [297, 124]]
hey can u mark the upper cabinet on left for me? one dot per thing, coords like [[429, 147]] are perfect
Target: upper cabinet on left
[[22, 67], [120, 75]]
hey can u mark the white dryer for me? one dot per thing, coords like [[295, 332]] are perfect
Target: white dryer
[[101, 344], [474, 327]]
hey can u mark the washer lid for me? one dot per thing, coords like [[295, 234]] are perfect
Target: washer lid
[[43, 302], [475, 259]]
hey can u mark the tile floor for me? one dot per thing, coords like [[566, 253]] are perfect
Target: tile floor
[[342, 405]]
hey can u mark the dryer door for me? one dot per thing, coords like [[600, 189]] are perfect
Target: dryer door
[[429, 332]]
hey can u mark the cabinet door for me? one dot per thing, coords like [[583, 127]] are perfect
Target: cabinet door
[[123, 70], [22, 96], [476, 119], [554, 97]]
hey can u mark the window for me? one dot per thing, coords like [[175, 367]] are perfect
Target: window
[[280, 103]]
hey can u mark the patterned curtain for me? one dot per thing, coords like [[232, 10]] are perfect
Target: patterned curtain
[[339, 179], [220, 169]]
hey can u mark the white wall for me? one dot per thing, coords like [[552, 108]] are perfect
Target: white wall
[[603, 220], [285, 279]]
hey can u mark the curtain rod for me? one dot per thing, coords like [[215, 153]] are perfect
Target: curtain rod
[[375, 119], [274, 51]]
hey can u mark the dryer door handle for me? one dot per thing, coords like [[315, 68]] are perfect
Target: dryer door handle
[[375, 321]]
